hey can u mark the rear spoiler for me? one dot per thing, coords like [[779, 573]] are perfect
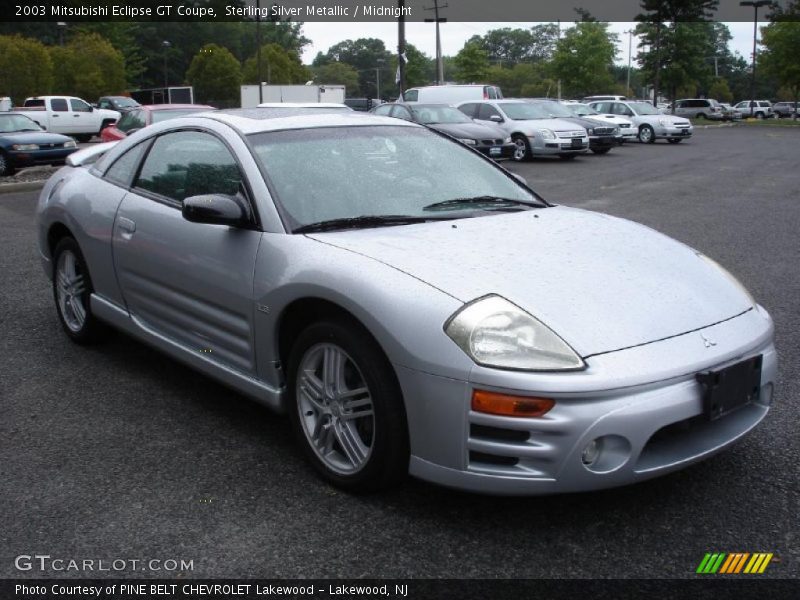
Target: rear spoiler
[[90, 155]]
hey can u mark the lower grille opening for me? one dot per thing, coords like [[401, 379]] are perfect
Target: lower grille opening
[[498, 433], [492, 459]]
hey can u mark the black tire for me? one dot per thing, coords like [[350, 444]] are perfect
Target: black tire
[[522, 143], [759, 115], [647, 134], [83, 137], [6, 168], [701, 116], [674, 140], [605, 150], [91, 330], [386, 463], [567, 156], [106, 123]]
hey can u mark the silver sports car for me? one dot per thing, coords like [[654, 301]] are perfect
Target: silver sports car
[[411, 305]]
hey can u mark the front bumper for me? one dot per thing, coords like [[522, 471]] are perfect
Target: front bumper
[[603, 141], [653, 419], [674, 132], [558, 146], [497, 151], [40, 157]]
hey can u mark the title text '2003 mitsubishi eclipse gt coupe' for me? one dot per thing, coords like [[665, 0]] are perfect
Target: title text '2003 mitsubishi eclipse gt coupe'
[[414, 307]]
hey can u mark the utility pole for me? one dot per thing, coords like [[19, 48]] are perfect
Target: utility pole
[[630, 45], [755, 4], [165, 45], [258, 51], [436, 19], [401, 47]]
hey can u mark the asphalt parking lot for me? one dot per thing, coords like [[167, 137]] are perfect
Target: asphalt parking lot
[[116, 451]]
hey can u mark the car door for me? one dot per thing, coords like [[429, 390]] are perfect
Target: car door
[[488, 113], [82, 117], [59, 116], [189, 282]]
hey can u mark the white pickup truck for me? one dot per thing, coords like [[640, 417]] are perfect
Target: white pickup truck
[[68, 115]]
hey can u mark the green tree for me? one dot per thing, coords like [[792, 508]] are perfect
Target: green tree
[[364, 55], [781, 40], [121, 35], [513, 80], [337, 73], [278, 66], [25, 68], [583, 59], [216, 76], [88, 66], [719, 90], [471, 63]]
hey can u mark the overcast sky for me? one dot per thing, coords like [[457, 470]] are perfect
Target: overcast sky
[[423, 36]]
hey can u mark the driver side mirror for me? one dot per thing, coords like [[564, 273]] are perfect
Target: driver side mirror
[[496, 119], [214, 209]]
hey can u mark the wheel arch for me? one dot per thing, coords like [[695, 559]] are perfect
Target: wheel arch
[[55, 233]]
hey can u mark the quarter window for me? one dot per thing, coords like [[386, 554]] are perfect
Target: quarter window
[[121, 172], [189, 163]]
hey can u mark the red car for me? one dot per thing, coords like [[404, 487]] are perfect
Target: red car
[[147, 115]]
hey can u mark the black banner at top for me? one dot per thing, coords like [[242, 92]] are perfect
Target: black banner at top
[[350, 10]]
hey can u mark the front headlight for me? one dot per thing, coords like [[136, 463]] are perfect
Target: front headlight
[[662, 122], [590, 130], [496, 333], [70, 144], [729, 277], [25, 147], [547, 134], [507, 140], [468, 142]]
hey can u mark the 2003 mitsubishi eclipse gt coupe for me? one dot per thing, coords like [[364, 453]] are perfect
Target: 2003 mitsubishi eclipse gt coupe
[[412, 306]]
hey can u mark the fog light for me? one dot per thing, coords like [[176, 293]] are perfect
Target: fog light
[[591, 452]]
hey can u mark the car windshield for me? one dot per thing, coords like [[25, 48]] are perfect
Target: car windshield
[[644, 108], [581, 110], [330, 173], [524, 111], [164, 115], [126, 102], [554, 109], [12, 123], [432, 114]]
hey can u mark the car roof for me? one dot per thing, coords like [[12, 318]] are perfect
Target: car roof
[[176, 106], [303, 105], [259, 120]]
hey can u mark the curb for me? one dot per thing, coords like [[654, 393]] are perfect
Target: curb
[[24, 186]]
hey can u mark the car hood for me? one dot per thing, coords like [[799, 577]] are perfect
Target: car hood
[[35, 137], [553, 124], [470, 130], [601, 282], [587, 123], [669, 119]]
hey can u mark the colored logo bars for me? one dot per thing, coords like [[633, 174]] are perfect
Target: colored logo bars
[[734, 563]]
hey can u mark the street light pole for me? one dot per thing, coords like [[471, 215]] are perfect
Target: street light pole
[[755, 4], [166, 45], [630, 41], [258, 51], [436, 19]]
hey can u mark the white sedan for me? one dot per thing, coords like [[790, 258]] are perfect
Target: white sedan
[[650, 123], [626, 127]]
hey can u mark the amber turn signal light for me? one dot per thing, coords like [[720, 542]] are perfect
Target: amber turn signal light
[[494, 403]]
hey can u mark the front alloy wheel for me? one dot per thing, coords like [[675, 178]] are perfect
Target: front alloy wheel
[[646, 134], [72, 288], [5, 165], [522, 149], [346, 407]]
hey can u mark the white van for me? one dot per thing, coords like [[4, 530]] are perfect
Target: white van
[[452, 94], [5, 104]]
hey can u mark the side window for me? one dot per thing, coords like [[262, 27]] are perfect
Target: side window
[[131, 120], [79, 105], [486, 111], [58, 105], [104, 104], [401, 112], [189, 163], [468, 109], [678, 105], [384, 110], [411, 95], [489, 92], [622, 109], [602, 107], [123, 169]]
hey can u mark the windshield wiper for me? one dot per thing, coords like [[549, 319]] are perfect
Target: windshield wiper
[[362, 221], [492, 202]]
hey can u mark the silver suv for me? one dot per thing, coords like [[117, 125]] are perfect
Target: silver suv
[[761, 109], [699, 108]]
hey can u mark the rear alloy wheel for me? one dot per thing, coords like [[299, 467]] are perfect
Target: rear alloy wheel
[[646, 134], [5, 165], [674, 140], [346, 407], [522, 150], [72, 288], [601, 150], [759, 115]]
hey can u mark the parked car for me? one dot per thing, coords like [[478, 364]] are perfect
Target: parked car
[[602, 135], [589, 99], [627, 130], [143, 116], [327, 107], [452, 94], [68, 115], [362, 104], [410, 304], [698, 108], [785, 109], [650, 123], [760, 109], [729, 113], [533, 132], [6, 104], [24, 144], [121, 104], [486, 138]]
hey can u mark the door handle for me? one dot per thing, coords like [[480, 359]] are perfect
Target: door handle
[[76, 116], [126, 225]]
